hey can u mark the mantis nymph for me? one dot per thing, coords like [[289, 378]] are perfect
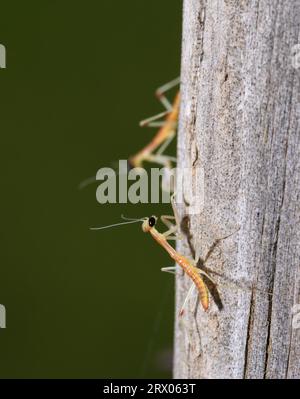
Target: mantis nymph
[[188, 266], [165, 134]]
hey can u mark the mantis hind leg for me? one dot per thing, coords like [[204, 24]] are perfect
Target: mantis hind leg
[[187, 298], [169, 269], [152, 121], [160, 92], [164, 146]]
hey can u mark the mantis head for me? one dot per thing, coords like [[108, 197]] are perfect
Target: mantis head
[[148, 223]]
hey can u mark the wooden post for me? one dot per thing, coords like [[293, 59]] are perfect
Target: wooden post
[[240, 122]]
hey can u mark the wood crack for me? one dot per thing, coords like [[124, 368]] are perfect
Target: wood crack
[[249, 333]]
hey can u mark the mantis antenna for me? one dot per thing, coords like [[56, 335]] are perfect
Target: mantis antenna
[[117, 224]]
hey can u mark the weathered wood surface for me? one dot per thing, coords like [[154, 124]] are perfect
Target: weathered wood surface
[[239, 120]]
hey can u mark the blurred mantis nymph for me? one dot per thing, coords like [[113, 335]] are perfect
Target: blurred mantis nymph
[[154, 151]]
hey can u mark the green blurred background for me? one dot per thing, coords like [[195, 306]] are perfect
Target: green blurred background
[[79, 77]]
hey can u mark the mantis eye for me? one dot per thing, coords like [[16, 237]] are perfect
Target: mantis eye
[[152, 221]]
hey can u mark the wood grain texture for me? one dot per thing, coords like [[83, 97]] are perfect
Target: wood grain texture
[[239, 120]]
